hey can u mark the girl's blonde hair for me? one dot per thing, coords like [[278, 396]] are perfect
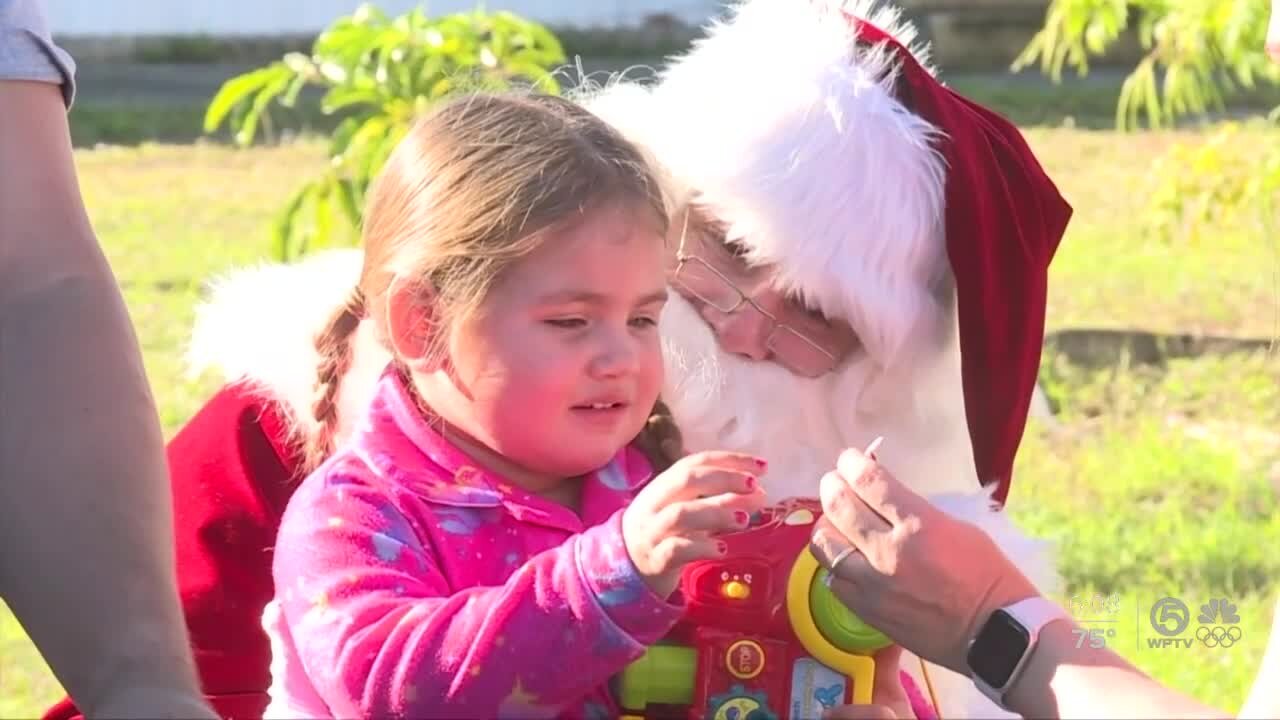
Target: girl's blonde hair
[[472, 188]]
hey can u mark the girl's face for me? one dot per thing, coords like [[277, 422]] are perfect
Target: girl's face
[[563, 364]]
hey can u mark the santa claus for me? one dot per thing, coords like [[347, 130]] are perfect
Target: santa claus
[[857, 251]]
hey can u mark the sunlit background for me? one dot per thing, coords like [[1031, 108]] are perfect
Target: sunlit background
[[1155, 460]]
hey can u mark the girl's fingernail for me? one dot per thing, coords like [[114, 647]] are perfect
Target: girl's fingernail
[[741, 517], [761, 463], [751, 482], [721, 547]]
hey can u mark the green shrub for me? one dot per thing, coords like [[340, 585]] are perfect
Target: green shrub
[[378, 73], [1198, 52], [1200, 190]]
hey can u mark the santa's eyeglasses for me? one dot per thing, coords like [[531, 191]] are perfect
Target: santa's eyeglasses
[[707, 284]]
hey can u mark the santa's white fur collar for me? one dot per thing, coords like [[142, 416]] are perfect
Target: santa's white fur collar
[[259, 326]]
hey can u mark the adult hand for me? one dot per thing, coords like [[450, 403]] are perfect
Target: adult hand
[[922, 577]]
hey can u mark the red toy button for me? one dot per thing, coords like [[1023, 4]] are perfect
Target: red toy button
[[745, 659]]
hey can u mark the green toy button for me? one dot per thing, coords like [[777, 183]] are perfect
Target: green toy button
[[838, 624]]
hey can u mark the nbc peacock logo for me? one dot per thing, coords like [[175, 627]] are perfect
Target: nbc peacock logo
[[1219, 624]]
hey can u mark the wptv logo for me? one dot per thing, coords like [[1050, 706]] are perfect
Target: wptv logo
[[1171, 618]]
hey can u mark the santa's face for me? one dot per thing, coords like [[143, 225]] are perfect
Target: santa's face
[[740, 303], [751, 369]]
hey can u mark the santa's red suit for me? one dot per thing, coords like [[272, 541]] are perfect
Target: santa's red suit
[[825, 144]]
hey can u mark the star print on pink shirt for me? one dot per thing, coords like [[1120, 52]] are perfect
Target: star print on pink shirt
[[410, 583]]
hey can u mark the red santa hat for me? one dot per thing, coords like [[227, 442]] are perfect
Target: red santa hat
[[882, 196], [1004, 219]]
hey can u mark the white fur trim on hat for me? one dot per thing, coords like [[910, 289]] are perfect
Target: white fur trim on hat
[[791, 134]]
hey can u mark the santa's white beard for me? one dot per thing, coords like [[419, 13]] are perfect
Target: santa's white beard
[[721, 401]]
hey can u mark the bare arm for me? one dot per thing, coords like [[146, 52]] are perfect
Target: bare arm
[[930, 581], [1062, 680], [86, 538]]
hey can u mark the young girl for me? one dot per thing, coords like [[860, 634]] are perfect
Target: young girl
[[488, 542]]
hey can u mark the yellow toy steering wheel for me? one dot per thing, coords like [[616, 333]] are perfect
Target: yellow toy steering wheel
[[830, 631]]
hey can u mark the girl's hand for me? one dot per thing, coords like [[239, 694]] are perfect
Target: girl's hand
[[673, 519]]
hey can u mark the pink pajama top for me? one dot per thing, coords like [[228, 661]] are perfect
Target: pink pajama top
[[412, 583]]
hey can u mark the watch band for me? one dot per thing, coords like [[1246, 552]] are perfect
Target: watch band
[[1036, 612], [1032, 614]]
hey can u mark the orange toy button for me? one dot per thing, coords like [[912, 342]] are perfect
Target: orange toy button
[[736, 590], [745, 659]]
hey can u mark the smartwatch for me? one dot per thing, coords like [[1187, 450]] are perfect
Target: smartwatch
[[1003, 646]]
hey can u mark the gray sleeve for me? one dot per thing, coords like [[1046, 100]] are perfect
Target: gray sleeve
[[27, 49]]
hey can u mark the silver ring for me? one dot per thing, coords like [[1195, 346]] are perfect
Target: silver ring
[[841, 557]]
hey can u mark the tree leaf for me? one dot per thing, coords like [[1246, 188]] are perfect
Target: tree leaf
[[323, 213], [275, 86], [345, 96], [282, 234], [341, 138], [233, 92], [347, 200], [290, 98]]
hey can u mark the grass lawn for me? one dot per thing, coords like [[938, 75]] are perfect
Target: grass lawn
[[1155, 482]]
